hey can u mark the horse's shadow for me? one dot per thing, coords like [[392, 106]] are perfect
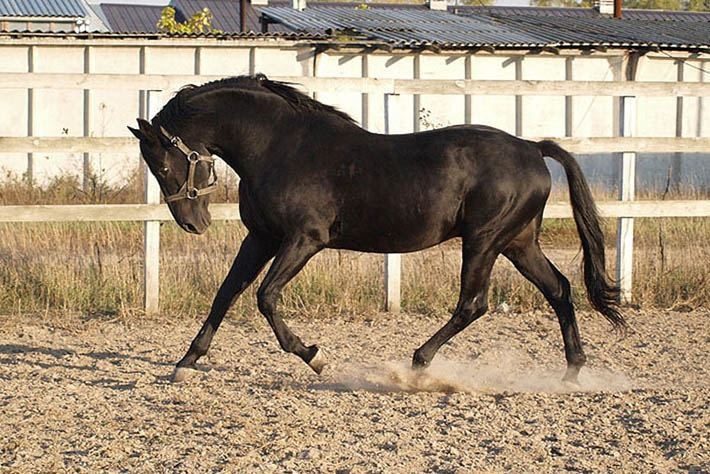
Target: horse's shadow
[[25, 349], [12, 354], [60, 353]]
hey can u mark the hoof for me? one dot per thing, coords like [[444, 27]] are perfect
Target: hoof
[[571, 385], [318, 361], [419, 362], [570, 376], [180, 374]]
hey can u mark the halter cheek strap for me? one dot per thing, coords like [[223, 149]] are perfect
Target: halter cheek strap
[[188, 189]]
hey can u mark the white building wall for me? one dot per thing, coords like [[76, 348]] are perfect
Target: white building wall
[[658, 113], [592, 115], [436, 111], [391, 66], [342, 65], [284, 61], [110, 111], [59, 112], [543, 116], [225, 61], [14, 116], [493, 110]]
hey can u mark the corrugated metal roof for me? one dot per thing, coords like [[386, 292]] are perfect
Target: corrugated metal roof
[[407, 25], [225, 13], [412, 27], [130, 18], [41, 8], [627, 14], [608, 31]]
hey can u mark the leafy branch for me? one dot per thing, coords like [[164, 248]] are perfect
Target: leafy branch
[[199, 23]]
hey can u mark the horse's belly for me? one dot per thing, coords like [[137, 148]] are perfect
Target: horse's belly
[[399, 234]]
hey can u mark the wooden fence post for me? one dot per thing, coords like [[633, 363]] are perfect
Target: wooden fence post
[[393, 262], [625, 225], [151, 229], [29, 174]]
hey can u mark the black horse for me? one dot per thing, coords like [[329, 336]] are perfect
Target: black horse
[[313, 179]]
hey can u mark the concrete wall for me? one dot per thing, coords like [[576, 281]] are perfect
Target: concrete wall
[[56, 112]]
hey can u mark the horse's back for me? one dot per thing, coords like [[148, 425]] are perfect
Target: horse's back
[[416, 190]]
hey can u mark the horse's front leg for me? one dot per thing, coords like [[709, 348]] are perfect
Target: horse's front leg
[[251, 258], [290, 259]]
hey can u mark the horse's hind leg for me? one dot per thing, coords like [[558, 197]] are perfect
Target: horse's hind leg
[[529, 259], [290, 259], [473, 302], [251, 258]]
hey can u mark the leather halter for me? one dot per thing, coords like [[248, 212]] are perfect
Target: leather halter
[[188, 189]]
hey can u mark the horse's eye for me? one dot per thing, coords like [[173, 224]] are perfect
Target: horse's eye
[[163, 171]]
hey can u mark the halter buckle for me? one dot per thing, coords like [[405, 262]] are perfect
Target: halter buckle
[[192, 193]]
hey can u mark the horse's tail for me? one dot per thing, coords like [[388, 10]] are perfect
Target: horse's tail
[[602, 293]]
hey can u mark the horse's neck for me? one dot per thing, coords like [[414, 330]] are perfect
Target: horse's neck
[[248, 140], [245, 145]]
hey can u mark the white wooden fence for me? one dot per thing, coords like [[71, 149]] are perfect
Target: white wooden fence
[[159, 87]]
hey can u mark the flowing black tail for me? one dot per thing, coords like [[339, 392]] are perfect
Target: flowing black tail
[[602, 293]]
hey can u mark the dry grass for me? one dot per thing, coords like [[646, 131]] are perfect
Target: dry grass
[[97, 267]]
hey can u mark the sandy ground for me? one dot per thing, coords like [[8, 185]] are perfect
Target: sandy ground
[[92, 394]]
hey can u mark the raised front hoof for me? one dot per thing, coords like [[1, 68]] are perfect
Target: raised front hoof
[[316, 360], [180, 374]]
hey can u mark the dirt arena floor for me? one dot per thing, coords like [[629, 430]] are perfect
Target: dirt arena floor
[[93, 394]]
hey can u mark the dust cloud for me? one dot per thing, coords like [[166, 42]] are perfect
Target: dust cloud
[[495, 373]]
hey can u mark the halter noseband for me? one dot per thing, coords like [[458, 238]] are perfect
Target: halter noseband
[[188, 189]]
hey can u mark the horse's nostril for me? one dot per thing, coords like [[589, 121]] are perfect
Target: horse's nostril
[[189, 228]]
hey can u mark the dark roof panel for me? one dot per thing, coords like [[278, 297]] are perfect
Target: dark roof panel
[[609, 31], [502, 27], [127, 18], [656, 15], [42, 8], [410, 25], [405, 26], [225, 13]]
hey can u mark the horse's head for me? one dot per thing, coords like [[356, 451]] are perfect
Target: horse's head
[[185, 174]]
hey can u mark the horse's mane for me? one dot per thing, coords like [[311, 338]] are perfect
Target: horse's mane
[[180, 107]]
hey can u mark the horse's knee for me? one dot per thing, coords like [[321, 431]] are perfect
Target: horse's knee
[[462, 317], [562, 296], [462, 320], [266, 301]]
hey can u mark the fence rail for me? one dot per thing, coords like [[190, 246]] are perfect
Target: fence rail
[[159, 86], [160, 212], [365, 85], [575, 145]]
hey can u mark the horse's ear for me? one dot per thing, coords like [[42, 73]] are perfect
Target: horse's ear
[[145, 130], [136, 133]]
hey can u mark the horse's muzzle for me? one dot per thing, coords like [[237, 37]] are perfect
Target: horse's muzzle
[[196, 227]]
